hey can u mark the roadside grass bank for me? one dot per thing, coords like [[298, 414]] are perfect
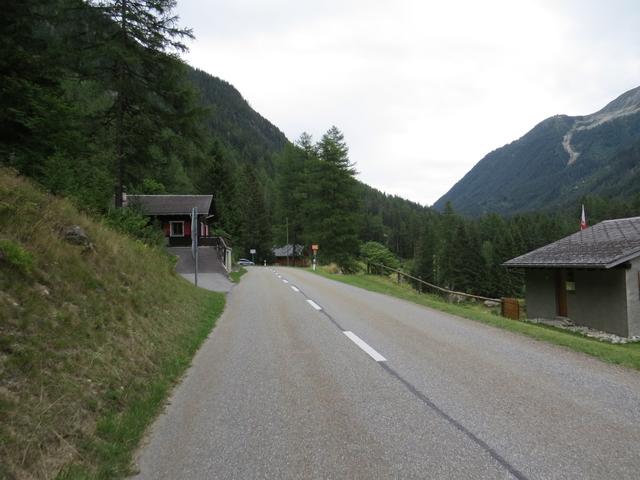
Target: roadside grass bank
[[92, 338], [235, 276], [627, 355]]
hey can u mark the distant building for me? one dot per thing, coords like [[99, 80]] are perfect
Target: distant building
[[591, 277], [296, 255], [173, 212]]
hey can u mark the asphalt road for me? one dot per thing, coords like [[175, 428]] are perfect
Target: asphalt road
[[280, 391]]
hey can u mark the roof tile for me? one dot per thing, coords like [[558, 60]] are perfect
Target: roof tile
[[604, 245], [170, 204]]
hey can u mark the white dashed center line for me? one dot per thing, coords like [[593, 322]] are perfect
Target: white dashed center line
[[285, 281], [314, 304], [295, 289], [364, 346]]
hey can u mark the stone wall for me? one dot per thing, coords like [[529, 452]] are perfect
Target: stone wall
[[599, 300], [633, 297]]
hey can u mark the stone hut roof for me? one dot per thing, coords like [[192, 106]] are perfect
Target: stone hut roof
[[171, 204], [605, 245]]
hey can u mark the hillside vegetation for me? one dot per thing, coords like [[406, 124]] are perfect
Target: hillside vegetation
[[91, 338], [556, 164], [182, 131], [87, 110]]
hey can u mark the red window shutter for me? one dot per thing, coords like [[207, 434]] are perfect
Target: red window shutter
[[187, 228]]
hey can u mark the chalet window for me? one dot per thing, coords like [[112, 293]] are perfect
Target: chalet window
[[177, 229], [571, 281]]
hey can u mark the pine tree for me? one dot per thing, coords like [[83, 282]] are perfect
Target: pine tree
[[255, 222], [140, 55], [291, 195], [333, 205], [32, 112], [426, 264]]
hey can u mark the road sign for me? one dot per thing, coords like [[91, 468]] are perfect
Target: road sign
[[314, 247], [252, 251]]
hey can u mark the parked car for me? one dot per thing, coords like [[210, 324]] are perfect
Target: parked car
[[244, 262]]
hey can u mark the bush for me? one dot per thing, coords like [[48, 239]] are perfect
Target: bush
[[16, 256], [332, 268], [136, 225], [377, 253], [349, 265]]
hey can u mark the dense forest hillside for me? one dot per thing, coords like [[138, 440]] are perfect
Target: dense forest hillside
[[229, 118], [558, 162], [96, 100]]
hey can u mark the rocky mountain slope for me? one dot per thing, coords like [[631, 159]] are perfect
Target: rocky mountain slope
[[559, 161]]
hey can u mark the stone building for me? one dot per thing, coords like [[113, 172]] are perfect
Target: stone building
[[591, 277]]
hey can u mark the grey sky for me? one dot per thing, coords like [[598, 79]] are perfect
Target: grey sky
[[421, 89]]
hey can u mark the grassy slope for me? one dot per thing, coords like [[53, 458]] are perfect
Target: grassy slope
[[627, 355], [90, 341]]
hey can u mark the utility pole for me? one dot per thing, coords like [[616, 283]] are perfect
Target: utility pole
[[287, 219]]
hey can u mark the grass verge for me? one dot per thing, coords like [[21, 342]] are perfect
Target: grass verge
[[627, 355], [92, 338], [235, 276], [120, 430]]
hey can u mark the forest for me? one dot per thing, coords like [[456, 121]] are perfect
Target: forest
[[96, 101]]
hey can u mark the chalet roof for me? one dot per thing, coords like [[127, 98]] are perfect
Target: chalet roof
[[605, 245], [288, 251], [170, 204]]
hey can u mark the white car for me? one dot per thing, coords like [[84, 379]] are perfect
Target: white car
[[244, 262]]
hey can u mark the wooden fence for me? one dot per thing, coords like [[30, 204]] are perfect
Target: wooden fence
[[509, 307]]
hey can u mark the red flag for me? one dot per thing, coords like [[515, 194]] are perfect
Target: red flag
[[583, 220]]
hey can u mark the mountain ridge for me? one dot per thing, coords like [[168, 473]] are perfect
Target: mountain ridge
[[558, 161]]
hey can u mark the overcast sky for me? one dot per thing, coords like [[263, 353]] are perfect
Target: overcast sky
[[421, 89]]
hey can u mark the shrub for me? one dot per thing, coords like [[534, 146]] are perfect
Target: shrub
[[16, 256], [332, 268], [136, 225], [349, 265], [377, 253]]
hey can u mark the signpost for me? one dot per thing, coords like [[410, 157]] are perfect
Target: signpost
[[194, 240], [314, 247], [253, 255]]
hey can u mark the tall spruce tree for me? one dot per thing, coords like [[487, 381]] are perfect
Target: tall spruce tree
[[291, 195], [254, 231], [139, 57], [334, 201], [31, 108]]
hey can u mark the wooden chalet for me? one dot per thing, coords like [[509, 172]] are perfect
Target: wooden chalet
[[173, 212]]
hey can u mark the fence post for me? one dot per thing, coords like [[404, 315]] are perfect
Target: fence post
[[420, 284], [510, 308], [398, 277]]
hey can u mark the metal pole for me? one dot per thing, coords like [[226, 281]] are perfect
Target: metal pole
[[194, 241], [287, 218]]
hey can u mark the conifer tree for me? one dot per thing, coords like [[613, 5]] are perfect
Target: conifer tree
[[140, 52], [334, 205], [254, 229], [291, 195]]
